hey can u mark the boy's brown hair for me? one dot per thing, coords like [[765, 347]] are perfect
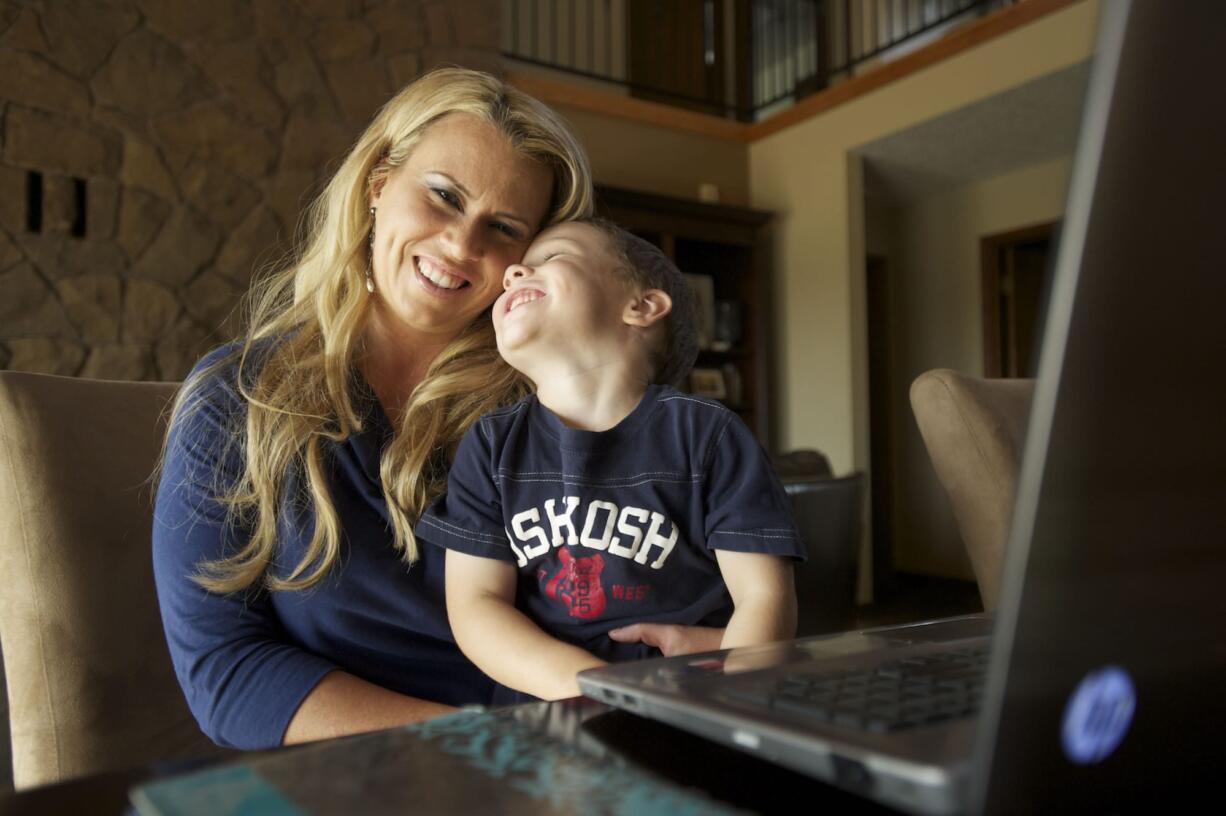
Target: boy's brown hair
[[646, 267]]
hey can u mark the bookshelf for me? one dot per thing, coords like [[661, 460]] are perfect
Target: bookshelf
[[725, 244]]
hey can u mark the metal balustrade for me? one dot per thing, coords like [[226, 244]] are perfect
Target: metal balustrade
[[736, 58]]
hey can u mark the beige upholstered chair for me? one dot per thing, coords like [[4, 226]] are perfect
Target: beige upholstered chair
[[90, 684], [974, 430]]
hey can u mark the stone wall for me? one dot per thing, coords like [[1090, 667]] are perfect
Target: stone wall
[[153, 153]]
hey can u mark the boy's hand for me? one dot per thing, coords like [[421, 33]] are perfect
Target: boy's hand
[[670, 638]]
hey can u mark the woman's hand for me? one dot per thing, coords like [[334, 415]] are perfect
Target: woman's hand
[[670, 638]]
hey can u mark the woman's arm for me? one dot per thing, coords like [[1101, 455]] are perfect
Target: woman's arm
[[343, 704], [241, 675], [764, 594], [502, 641]]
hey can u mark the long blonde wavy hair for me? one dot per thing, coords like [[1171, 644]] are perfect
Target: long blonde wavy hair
[[297, 365]]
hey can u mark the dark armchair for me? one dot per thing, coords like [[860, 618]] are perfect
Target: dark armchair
[[829, 514]]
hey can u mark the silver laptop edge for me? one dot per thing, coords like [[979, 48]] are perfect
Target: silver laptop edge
[[1086, 161]]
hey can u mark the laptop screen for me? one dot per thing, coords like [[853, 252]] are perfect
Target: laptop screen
[[1111, 637]]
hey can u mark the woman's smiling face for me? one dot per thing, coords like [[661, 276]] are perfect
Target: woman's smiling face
[[448, 222]]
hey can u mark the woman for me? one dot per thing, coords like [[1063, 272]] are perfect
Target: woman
[[296, 602]]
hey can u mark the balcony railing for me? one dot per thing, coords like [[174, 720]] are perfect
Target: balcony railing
[[741, 59]]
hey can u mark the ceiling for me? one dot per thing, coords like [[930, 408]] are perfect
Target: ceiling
[[1026, 125]]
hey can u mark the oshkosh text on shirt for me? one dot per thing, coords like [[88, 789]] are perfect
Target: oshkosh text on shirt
[[641, 529]]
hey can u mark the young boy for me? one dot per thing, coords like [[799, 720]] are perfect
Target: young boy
[[607, 498]]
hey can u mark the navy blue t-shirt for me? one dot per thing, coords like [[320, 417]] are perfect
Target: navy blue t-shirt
[[246, 660], [614, 527]]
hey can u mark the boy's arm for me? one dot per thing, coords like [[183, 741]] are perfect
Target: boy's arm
[[764, 594], [502, 641]]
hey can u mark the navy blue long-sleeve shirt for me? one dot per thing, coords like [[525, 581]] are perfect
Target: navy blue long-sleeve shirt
[[247, 660]]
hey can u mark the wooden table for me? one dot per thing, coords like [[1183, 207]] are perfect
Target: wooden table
[[391, 771]]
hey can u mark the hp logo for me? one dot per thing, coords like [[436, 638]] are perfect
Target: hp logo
[[1098, 715]]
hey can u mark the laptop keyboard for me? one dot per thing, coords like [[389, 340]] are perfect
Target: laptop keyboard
[[894, 696]]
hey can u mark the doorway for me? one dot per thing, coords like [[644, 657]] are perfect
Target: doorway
[[1016, 269], [677, 52]]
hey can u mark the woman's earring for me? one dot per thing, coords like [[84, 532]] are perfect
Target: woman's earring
[[370, 277]]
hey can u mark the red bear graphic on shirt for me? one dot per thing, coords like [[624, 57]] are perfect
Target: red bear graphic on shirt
[[577, 584]]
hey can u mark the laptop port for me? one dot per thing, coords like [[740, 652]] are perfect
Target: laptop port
[[851, 774]]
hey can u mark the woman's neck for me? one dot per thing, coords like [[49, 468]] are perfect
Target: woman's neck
[[394, 361]]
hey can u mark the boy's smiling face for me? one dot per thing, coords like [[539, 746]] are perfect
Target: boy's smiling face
[[565, 301]]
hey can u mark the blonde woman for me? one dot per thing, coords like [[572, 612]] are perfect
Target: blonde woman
[[296, 602]]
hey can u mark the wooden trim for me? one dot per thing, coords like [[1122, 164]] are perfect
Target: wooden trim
[[963, 39], [989, 292], [554, 92]]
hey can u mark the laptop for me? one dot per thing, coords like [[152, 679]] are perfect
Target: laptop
[[1099, 683]]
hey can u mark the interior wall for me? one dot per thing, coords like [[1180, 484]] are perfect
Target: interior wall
[[810, 176], [154, 153], [660, 160], [933, 247], [802, 174]]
